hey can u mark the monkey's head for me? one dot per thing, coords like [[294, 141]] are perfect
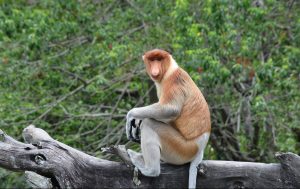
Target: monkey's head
[[157, 63]]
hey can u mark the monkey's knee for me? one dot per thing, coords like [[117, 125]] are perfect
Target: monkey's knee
[[147, 122], [150, 124]]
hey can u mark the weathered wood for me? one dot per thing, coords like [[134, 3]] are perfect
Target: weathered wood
[[35, 180], [61, 166]]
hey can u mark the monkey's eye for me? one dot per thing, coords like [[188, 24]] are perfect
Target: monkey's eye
[[158, 58]]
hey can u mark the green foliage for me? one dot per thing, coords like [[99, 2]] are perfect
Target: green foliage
[[74, 69]]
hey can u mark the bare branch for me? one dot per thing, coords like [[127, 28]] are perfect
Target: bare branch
[[60, 166]]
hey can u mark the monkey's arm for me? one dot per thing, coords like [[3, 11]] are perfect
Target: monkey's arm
[[159, 112]]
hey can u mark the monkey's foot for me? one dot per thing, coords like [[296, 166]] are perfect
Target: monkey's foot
[[138, 161], [150, 172], [136, 158]]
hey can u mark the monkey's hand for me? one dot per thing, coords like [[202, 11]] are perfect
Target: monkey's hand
[[133, 131]]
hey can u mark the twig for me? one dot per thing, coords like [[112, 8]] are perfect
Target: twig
[[78, 40], [52, 57], [136, 8], [116, 105], [131, 31], [71, 74], [65, 97]]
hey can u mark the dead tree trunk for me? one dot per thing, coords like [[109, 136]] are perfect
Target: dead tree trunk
[[51, 164]]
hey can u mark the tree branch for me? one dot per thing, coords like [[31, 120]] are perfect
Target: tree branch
[[60, 166]]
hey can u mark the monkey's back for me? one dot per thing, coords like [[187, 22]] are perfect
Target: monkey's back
[[194, 119]]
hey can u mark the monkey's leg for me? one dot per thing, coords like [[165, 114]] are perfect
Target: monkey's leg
[[161, 141], [149, 161], [176, 149], [136, 159], [202, 142]]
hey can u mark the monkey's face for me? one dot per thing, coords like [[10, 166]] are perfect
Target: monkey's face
[[155, 70], [157, 62]]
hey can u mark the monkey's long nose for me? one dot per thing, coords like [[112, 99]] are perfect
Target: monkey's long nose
[[155, 72]]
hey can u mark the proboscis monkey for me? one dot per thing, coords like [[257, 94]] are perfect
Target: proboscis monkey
[[176, 128]]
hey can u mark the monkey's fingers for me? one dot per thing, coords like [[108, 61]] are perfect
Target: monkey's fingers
[[139, 122], [132, 129], [129, 128], [136, 130], [136, 133], [136, 140]]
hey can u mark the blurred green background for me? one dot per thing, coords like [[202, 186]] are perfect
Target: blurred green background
[[74, 68]]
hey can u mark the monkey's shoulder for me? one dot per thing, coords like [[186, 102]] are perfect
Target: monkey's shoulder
[[179, 78]]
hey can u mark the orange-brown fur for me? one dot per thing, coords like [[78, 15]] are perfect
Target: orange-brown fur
[[194, 118], [174, 148]]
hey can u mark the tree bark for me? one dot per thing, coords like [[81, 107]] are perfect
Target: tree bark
[[51, 164]]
